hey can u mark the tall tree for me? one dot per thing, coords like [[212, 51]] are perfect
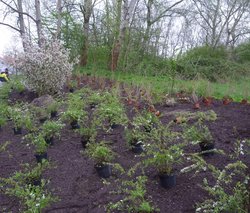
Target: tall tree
[[86, 10], [125, 13]]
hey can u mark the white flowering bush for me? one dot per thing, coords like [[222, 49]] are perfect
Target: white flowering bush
[[45, 69]]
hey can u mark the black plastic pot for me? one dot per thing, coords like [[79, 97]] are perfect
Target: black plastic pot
[[206, 149], [75, 125], [167, 181], [34, 182], [104, 171], [84, 141], [17, 131], [114, 126], [137, 148], [93, 105], [40, 157], [53, 114], [42, 120], [50, 141]]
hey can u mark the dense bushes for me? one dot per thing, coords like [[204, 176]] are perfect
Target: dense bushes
[[45, 68], [209, 63], [242, 53]]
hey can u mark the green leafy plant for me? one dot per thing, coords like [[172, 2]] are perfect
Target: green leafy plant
[[40, 144], [3, 116], [51, 128], [88, 132], [198, 134], [20, 117], [32, 198], [53, 107], [145, 121], [111, 112], [134, 136], [134, 193], [4, 146], [226, 192], [100, 152], [165, 150]]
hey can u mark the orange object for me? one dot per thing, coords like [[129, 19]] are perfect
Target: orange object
[[197, 106], [158, 113]]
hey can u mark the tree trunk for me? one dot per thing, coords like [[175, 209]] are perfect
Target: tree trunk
[[86, 10], [127, 13], [21, 21], [59, 18], [38, 22]]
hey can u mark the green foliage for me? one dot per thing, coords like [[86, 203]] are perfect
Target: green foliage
[[32, 198], [134, 136], [165, 149], [208, 62], [20, 116], [145, 120], [53, 107], [40, 144], [209, 115], [51, 128], [109, 112], [88, 131], [3, 114], [100, 152], [17, 84], [39, 112], [165, 158], [5, 90], [226, 195], [75, 109], [242, 53], [198, 133], [134, 200], [4, 146]]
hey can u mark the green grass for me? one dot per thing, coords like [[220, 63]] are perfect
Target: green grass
[[162, 85]]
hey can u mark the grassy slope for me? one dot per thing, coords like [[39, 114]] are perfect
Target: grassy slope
[[162, 84]]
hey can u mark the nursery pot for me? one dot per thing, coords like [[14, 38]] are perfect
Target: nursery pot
[[17, 131], [137, 148], [41, 156], [84, 141], [196, 106], [34, 181], [167, 181], [50, 140], [103, 170], [207, 101], [114, 126], [244, 101], [53, 114], [74, 125], [226, 101], [206, 147], [93, 105]]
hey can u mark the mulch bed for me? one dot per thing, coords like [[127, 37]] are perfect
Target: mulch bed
[[74, 179]]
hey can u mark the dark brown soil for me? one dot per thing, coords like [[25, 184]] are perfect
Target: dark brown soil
[[74, 179]]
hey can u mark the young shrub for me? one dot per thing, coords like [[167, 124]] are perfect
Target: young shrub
[[51, 129], [46, 69], [33, 197], [134, 200]]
